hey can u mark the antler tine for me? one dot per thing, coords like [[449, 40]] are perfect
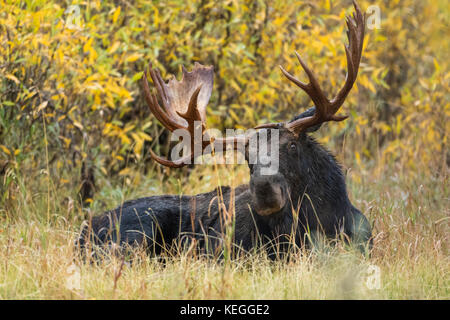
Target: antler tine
[[192, 114], [312, 88], [172, 164], [325, 108], [155, 108], [165, 94], [178, 114], [353, 50], [314, 92]]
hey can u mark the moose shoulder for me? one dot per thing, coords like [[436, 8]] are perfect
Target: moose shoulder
[[305, 195]]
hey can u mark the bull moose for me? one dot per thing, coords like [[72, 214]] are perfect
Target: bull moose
[[307, 193]]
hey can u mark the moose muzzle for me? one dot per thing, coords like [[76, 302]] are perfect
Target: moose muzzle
[[269, 193]]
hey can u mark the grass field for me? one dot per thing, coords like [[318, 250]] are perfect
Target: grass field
[[410, 217]]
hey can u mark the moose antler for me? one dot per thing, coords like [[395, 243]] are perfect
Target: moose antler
[[185, 104], [326, 109]]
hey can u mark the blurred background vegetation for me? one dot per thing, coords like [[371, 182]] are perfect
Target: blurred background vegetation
[[72, 116]]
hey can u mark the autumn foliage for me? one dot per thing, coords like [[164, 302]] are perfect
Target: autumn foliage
[[69, 76]]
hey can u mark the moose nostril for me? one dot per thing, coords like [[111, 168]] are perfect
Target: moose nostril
[[268, 195]]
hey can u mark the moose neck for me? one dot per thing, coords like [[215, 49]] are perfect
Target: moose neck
[[323, 181], [320, 191]]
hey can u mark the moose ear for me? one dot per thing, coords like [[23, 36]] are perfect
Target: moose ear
[[308, 113]]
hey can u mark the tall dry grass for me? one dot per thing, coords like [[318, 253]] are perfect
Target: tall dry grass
[[409, 214]]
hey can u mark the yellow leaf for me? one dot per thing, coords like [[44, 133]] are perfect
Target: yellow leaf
[[78, 125], [13, 78], [436, 65], [139, 143], [114, 47], [92, 55], [279, 21], [156, 17], [235, 86], [87, 45], [124, 138], [124, 172], [384, 127], [41, 106], [67, 141], [133, 57], [371, 87], [5, 149], [145, 136], [116, 14], [136, 137], [233, 115], [358, 158]]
